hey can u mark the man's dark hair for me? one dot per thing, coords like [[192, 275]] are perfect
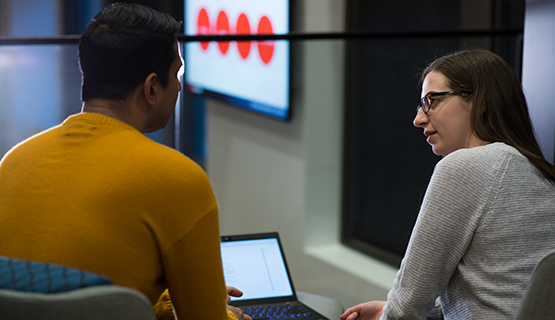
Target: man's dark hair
[[123, 44]]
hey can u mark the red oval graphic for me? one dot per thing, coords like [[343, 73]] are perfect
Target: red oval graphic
[[203, 26], [243, 27], [222, 28], [265, 48]]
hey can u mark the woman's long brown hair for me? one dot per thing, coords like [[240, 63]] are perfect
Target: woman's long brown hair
[[499, 109]]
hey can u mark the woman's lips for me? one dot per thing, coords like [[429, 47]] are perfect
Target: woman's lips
[[429, 135]]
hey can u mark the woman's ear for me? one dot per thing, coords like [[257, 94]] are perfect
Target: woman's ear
[[151, 88]]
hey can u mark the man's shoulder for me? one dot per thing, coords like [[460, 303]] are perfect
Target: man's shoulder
[[31, 144], [155, 153]]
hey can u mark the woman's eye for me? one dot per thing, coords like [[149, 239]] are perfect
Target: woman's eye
[[433, 101]]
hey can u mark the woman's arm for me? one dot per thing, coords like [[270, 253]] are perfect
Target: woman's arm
[[451, 211]]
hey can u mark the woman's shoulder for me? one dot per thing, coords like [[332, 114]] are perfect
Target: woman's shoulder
[[484, 162], [486, 155], [494, 149]]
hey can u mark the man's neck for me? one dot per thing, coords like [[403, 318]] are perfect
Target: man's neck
[[119, 110]]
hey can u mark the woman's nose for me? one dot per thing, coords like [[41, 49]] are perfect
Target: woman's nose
[[420, 119]]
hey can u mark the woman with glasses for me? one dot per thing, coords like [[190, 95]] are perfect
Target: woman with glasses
[[488, 215]]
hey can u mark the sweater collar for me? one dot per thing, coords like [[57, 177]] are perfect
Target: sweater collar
[[96, 118]]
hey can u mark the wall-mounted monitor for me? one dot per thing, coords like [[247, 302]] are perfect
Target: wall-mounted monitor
[[252, 75]]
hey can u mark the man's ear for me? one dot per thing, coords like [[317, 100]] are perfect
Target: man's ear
[[150, 89]]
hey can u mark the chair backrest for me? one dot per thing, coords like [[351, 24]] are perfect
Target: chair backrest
[[104, 302], [539, 299], [40, 277], [42, 291]]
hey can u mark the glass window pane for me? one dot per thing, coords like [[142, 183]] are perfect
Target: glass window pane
[[40, 85]]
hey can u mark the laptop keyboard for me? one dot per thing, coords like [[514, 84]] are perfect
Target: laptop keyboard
[[275, 311]]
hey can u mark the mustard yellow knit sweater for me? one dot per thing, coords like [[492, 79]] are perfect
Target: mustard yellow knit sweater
[[96, 194]]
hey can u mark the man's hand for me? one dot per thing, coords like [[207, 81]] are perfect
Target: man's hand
[[234, 292]]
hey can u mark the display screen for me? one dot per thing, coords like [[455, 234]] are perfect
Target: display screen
[[256, 267], [253, 75]]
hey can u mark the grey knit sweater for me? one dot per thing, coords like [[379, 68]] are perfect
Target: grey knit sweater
[[487, 218]]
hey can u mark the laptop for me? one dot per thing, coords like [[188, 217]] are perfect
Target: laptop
[[256, 265]]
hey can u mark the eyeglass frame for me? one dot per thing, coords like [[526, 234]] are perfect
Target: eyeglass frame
[[427, 96]]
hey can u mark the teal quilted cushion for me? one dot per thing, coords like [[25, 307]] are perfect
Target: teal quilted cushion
[[31, 276]]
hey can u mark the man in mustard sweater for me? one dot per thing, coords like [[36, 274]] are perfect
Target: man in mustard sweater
[[94, 193]]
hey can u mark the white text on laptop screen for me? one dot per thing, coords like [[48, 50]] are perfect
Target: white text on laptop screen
[[255, 267]]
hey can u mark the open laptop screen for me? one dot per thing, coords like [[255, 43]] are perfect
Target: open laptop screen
[[256, 267]]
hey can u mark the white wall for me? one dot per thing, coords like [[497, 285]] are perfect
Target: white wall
[[285, 177]]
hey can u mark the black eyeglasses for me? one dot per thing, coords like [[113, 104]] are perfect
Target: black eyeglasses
[[428, 100]]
